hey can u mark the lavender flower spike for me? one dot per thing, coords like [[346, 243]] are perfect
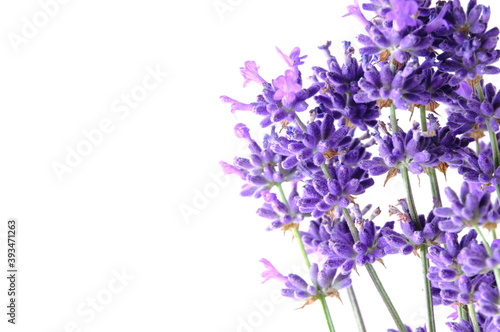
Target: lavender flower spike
[[250, 73], [402, 14]]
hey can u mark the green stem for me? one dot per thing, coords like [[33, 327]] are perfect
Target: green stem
[[463, 313], [385, 297], [296, 234], [493, 136], [409, 196], [355, 309], [496, 271], [326, 311], [496, 154], [430, 170], [494, 145], [300, 123], [394, 120], [414, 216], [431, 324], [423, 118], [350, 224], [374, 277], [473, 318]]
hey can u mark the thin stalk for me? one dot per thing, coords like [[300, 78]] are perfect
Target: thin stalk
[[350, 224], [326, 311], [496, 271], [409, 196], [414, 215], [355, 309], [394, 120], [431, 324], [493, 137], [473, 318], [297, 236], [385, 297], [375, 278], [350, 289], [494, 149], [430, 170], [300, 123], [463, 313]]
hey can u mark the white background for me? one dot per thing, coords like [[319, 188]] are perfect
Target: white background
[[118, 210]]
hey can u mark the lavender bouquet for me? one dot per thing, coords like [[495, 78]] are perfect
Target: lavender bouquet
[[328, 138]]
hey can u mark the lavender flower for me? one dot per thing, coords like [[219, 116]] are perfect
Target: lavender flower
[[261, 170], [251, 74], [468, 48], [472, 207], [488, 301], [322, 195], [324, 281], [280, 100], [402, 87], [460, 326], [308, 173], [474, 111], [414, 151], [449, 285], [321, 141], [281, 214], [339, 85], [408, 329]]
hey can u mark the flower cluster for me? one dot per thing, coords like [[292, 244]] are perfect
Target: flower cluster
[[327, 141]]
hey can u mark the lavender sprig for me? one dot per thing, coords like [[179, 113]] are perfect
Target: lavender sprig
[[413, 55]]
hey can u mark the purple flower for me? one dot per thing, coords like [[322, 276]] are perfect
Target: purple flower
[[447, 280], [294, 59], [287, 87], [321, 142], [470, 111], [402, 14], [339, 84], [414, 151], [475, 259], [460, 326], [260, 170], [403, 87], [250, 73], [322, 195], [468, 47], [271, 272], [280, 100], [281, 214], [355, 11], [488, 302], [408, 329], [236, 105], [325, 281], [472, 207]]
